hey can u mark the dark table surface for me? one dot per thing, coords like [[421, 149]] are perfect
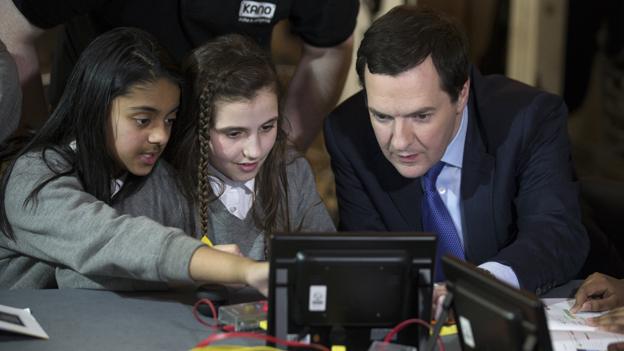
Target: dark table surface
[[77, 319]]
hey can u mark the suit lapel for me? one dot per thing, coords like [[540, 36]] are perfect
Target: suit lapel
[[476, 193]]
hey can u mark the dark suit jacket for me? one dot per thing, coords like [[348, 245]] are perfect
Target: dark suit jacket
[[518, 190]]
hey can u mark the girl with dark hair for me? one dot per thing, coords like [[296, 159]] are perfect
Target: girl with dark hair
[[72, 196], [235, 162]]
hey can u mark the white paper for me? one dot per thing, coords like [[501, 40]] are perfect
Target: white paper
[[560, 318], [570, 332], [579, 340], [20, 321]]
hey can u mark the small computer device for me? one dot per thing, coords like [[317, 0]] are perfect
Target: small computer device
[[246, 316], [350, 288], [492, 315]]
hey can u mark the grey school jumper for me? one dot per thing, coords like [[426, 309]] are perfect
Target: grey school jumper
[[76, 241], [307, 213]]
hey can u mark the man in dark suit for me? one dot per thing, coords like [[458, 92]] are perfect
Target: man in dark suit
[[506, 176]]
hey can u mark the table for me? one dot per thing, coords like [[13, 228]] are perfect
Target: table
[[77, 319], [567, 290]]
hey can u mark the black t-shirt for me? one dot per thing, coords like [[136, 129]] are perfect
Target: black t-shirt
[[181, 25]]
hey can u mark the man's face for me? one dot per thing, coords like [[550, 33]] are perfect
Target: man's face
[[413, 118]]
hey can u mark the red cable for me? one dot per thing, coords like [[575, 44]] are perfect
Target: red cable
[[407, 322], [223, 336], [212, 309], [231, 334]]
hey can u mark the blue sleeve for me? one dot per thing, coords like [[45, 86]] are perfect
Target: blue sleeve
[[549, 228]]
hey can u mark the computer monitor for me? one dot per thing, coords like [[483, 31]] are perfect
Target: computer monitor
[[349, 288], [492, 315]]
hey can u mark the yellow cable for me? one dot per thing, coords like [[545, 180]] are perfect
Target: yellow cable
[[206, 241]]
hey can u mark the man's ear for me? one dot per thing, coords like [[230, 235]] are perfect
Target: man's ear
[[462, 99]]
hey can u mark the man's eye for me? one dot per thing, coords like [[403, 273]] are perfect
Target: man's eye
[[381, 118], [423, 116]]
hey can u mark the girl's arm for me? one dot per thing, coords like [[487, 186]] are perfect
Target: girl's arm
[[211, 265], [69, 228]]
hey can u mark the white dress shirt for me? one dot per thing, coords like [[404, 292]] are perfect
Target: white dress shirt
[[449, 185], [237, 197]]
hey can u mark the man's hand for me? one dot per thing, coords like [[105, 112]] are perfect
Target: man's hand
[[599, 292], [612, 321], [437, 300], [616, 346]]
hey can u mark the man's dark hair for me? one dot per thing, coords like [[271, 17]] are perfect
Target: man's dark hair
[[404, 37]]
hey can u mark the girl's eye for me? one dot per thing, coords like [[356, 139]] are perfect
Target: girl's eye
[[170, 121], [267, 127], [142, 121], [233, 135]]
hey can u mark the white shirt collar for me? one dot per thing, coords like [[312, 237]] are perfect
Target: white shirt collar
[[454, 154], [237, 197], [218, 179]]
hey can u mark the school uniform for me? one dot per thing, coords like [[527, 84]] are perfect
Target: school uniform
[[231, 219], [71, 239]]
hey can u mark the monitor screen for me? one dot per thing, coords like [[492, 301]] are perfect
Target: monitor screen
[[349, 288], [492, 315]]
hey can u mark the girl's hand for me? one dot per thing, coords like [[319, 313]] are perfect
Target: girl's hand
[[229, 248], [209, 265], [257, 276]]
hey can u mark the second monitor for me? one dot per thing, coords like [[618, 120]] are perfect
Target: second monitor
[[492, 315]]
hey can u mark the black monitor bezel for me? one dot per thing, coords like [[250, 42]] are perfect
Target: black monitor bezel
[[284, 248]]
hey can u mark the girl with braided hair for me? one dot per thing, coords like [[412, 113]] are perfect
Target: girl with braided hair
[[235, 162], [88, 204]]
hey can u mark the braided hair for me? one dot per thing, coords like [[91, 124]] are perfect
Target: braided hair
[[204, 191], [229, 68]]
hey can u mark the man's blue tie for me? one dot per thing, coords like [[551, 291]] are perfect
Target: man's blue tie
[[437, 219]]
